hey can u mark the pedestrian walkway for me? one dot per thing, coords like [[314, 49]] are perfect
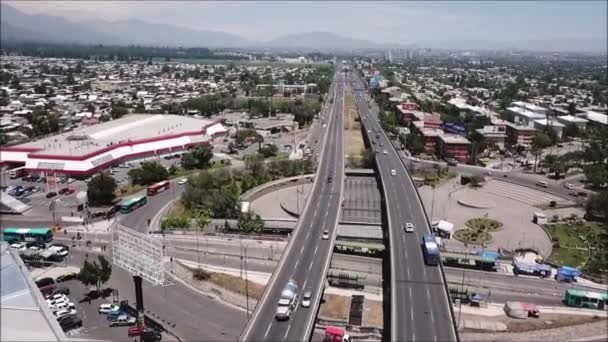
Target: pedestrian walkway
[[520, 193]]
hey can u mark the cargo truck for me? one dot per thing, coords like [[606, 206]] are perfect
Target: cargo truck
[[288, 300]]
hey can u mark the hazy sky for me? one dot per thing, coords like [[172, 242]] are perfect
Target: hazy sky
[[399, 22]]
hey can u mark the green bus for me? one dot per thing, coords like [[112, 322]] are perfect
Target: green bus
[[133, 203], [12, 235], [586, 299]]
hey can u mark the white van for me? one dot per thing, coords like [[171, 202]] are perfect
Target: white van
[[542, 184]]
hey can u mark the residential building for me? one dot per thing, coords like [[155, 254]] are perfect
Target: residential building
[[454, 146], [596, 119], [573, 120], [520, 135], [431, 139], [544, 124], [524, 117], [494, 135], [432, 120]]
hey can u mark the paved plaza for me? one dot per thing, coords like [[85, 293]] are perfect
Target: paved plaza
[[507, 203]]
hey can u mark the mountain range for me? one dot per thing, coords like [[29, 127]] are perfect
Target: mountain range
[[18, 26]]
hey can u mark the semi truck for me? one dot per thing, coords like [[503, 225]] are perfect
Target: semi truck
[[288, 300]]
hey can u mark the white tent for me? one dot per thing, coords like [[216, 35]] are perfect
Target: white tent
[[445, 228]]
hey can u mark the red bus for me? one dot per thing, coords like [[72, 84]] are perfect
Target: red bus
[[158, 187]]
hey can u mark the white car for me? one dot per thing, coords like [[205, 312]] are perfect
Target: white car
[[18, 246], [64, 312], [384, 152], [34, 248], [56, 297], [569, 186], [325, 235], [106, 308], [183, 181], [409, 227], [393, 172], [71, 180], [283, 312], [306, 299]]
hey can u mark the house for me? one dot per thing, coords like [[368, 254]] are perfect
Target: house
[[494, 135], [580, 123], [454, 146], [409, 112], [596, 119], [544, 124]]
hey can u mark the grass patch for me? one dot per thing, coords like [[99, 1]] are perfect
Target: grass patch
[[486, 224], [478, 231], [579, 244], [129, 189]]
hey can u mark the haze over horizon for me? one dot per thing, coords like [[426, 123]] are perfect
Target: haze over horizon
[[458, 22]]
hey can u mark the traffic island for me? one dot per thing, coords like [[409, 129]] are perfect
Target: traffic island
[[478, 231]]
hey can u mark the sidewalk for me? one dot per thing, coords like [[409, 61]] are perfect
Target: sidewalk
[[496, 309]]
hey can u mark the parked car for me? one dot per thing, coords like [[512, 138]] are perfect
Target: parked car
[[135, 331], [61, 290], [18, 246], [70, 323], [64, 312], [51, 194], [151, 335], [56, 297], [105, 308], [38, 244], [62, 191], [45, 282], [66, 277], [123, 320], [69, 191]]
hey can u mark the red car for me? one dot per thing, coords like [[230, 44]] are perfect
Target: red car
[[135, 331], [66, 191]]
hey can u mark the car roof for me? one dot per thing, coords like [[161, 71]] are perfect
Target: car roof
[[308, 294]]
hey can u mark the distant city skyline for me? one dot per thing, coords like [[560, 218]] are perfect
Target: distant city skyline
[[382, 22]]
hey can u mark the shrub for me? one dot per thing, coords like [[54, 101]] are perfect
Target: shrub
[[200, 274]]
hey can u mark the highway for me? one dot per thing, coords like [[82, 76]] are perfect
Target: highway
[[307, 256], [419, 307]]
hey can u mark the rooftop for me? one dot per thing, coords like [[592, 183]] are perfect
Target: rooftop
[[128, 128], [552, 123], [597, 117], [527, 113], [571, 119], [23, 318], [454, 139]]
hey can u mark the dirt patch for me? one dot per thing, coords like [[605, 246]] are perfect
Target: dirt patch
[[176, 209], [353, 139], [373, 314], [335, 307], [546, 321], [233, 284]]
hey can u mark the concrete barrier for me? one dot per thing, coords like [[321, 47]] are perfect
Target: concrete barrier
[[263, 189]]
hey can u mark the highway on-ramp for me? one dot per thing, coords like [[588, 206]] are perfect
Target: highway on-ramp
[[420, 309], [307, 256]]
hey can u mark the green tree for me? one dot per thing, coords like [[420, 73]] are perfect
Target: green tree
[[100, 190], [269, 150], [175, 222], [197, 158], [597, 175], [415, 142], [88, 274], [596, 206], [118, 111], [250, 223], [203, 218], [148, 173], [93, 273], [105, 271], [540, 141]]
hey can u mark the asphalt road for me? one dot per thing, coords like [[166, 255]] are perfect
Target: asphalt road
[[196, 317], [307, 256], [419, 303]]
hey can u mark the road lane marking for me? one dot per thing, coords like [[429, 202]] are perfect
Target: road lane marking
[[297, 263], [310, 266], [306, 281], [316, 248], [287, 332], [268, 329]]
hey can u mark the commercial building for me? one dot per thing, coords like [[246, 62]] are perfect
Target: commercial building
[[87, 150], [25, 314]]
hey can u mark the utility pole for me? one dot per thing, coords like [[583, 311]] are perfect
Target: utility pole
[[246, 283]]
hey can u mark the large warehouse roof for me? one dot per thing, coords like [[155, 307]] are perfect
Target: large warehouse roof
[[131, 127]]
